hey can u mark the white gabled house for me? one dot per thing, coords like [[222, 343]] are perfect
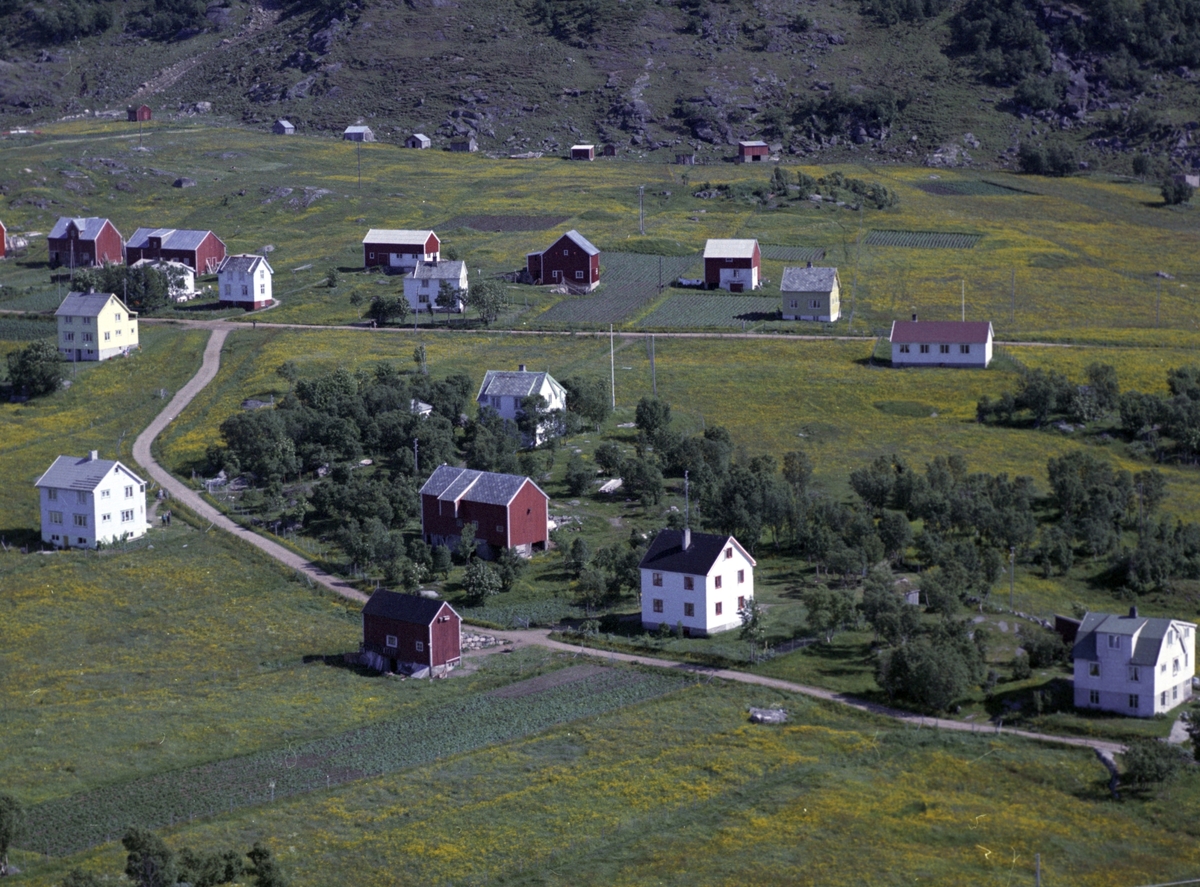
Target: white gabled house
[[89, 500], [503, 391], [421, 287], [950, 343], [245, 282], [95, 326], [699, 581], [181, 279], [1133, 665]]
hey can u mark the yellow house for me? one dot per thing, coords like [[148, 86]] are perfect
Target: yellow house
[[95, 326], [811, 294]]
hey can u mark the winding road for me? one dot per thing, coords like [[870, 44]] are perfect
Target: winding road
[[143, 455]]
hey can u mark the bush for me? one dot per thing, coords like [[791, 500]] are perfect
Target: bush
[[578, 478], [1041, 93], [1021, 669], [1044, 648], [1057, 160], [35, 369], [1151, 762], [1176, 191]]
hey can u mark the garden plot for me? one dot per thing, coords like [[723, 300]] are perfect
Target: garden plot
[[777, 253], [687, 310], [971, 189], [629, 281], [505, 223], [923, 239]]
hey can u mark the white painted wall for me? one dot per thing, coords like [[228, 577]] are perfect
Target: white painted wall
[[704, 597], [747, 277], [421, 296], [978, 355], [1158, 688], [116, 508]]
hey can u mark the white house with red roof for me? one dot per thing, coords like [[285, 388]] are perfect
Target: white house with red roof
[[699, 581], [946, 343]]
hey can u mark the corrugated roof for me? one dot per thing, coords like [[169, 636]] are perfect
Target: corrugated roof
[[172, 238], [754, 144], [404, 607], [397, 235], [452, 484], [80, 473], [505, 383], [666, 552], [89, 228], [582, 242], [941, 332], [730, 249], [87, 304], [808, 280], [245, 264], [452, 270], [583, 147]]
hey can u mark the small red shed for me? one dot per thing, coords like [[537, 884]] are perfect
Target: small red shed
[[753, 152], [141, 112], [409, 632], [571, 260], [508, 510], [202, 251]]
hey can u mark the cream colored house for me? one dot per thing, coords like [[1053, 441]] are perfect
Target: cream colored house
[[811, 294], [95, 326], [88, 500]]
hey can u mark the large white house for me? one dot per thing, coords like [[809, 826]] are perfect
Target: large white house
[[1133, 665], [952, 343], [699, 581], [90, 500], [245, 282], [503, 391], [421, 287], [95, 326]]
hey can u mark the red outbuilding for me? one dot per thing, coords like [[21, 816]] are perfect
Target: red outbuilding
[[409, 633], [399, 250], [732, 265], [571, 260], [508, 510], [84, 243], [753, 152], [141, 112], [202, 251]]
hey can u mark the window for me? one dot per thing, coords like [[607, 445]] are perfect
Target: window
[[106, 334], [1133, 700], [391, 641], [68, 337], [499, 528], [904, 349], [814, 303], [118, 316], [943, 349], [106, 337], [741, 577], [1175, 692], [689, 583], [729, 552], [87, 337], [81, 497], [424, 284], [105, 518], [717, 582], [68, 319], [729, 261], [496, 401], [81, 520], [656, 580], [228, 289], [370, 255], [262, 289], [1094, 669], [420, 646], [245, 291], [56, 517], [924, 349], [658, 605], [579, 275], [1162, 669], [964, 349], [81, 540], [689, 609], [1135, 673], [566, 252], [1093, 697], [127, 516], [128, 492], [87, 321], [1114, 642], [741, 602], [794, 303], [423, 298], [718, 608], [52, 495], [1175, 667]]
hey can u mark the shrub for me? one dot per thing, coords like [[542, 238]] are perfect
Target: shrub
[[1021, 669], [1176, 191], [35, 369], [1151, 762], [1044, 648]]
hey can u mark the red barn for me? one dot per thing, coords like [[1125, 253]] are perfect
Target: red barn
[[141, 112], [398, 249], [508, 510], [409, 632], [753, 152], [732, 265], [202, 251], [571, 260], [83, 243]]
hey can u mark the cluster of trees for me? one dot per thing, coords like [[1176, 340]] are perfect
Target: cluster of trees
[[1044, 395], [607, 573], [1052, 160], [71, 20], [488, 298], [833, 185], [36, 369], [144, 289]]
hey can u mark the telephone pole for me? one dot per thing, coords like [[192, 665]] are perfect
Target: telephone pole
[[641, 210]]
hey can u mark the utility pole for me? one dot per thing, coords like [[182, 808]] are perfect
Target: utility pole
[[359, 151], [1037, 869], [641, 210], [416, 457], [612, 366], [1013, 311], [1157, 302], [653, 374], [1012, 574], [964, 299]]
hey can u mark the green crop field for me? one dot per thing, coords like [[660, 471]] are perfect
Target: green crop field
[[922, 239], [686, 310], [628, 282]]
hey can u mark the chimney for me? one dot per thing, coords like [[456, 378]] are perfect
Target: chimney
[[687, 538], [1133, 613], [914, 318], [93, 455], [520, 368], [810, 264]]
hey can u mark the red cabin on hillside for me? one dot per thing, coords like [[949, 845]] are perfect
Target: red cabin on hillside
[[753, 152], [135, 115], [409, 633], [84, 243], [398, 249], [202, 251], [508, 510], [570, 260]]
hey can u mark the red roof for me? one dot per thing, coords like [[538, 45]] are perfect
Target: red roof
[[939, 332]]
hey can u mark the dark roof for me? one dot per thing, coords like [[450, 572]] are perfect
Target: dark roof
[[808, 280], [939, 332], [446, 270], [666, 552], [89, 228], [80, 473], [172, 238], [246, 264], [511, 383], [1150, 633], [452, 484], [404, 607]]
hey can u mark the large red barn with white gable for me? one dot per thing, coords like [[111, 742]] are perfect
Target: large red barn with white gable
[[508, 510], [399, 249], [408, 631], [570, 260], [84, 243]]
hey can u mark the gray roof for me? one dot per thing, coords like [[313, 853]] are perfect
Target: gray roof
[[506, 383], [358, 128], [582, 242], [452, 484], [450, 270], [246, 264], [80, 473], [1149, 639], [753, 144], [808, 280], [404, 607], [172, 238], [89, 228], [666, 552], [87, 304]]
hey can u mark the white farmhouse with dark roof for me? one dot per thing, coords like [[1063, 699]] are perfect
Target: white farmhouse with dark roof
[[95, 326], [245, 282], [811, 294], [952, 343], [89, 500], [700, 581], [503, 391], [1133, 665], [421, 287]]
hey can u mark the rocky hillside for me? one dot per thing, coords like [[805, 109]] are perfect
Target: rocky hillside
[[953, 83]]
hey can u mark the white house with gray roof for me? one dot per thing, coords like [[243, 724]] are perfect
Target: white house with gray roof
[[503, 391], [422, 286], [88, 500], [1133, 665], [245, 282], [811, 294]]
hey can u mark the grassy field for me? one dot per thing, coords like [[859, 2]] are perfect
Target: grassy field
[[1066, 257]]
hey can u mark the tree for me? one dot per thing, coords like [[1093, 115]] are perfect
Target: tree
[[80, 878], [12, 822], [828, 610], [264, 867], [449, 297], [1192, 725], [1176, 191], [886, 611], [535, 420], [36, 369], [653, 416], [509, 567], [753, 629], [643, 480], [488, 298], [1150, 762], [465, 548], [143, 289], [579, 555], [932, 671], [150, 862], [610, 458], [589, 399], [385, 309], [1043, 647], [578, 478], [442, 561], [797, 471], [1141, 165], [481, 580], [895, 532]]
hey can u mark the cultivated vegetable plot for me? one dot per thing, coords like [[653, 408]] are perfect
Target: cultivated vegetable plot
[[970, 189], [713, 311], [20, 329], [791, 253], [505, 223], [630, 280], [923, 239], [548, 612], [69, 825]]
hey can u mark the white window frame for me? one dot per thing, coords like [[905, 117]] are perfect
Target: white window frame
[[656, 580], [391, 641], [420, 646]]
